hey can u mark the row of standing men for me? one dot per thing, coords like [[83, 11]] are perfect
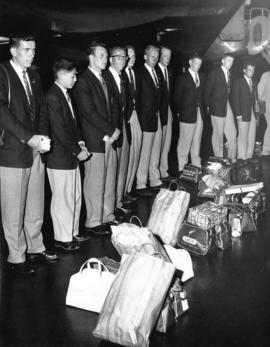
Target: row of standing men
[[119, 123]]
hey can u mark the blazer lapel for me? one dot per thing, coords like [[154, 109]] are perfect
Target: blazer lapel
[[150, 78]]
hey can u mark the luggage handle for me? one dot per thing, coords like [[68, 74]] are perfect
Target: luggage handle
[[137, 219], [94, 261]]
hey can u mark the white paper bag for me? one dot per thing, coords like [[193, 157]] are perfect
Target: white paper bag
[[181, 259], [89, 287]]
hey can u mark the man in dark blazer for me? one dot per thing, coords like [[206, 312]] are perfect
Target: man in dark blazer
[[119, 89], [217, 94], [188, 105], [96, 108], [148, 108], [62, 161], [21, 169], [165, 76], [244, 94], [133, 123]]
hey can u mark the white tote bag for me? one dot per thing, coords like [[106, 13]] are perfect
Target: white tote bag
[[89, 287], [167, 214]]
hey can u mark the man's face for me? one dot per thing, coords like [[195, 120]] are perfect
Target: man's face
[[249, 71], [227, 62], [99, 59], [24, 54], [165, 57], [67, 79], [195, 64], [118, 60], [151, 58], [131, 56]]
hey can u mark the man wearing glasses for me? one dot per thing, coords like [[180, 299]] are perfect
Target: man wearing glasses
[[118, 87]]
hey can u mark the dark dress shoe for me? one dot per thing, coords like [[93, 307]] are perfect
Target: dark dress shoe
[[144, 192], [80, 238], [157, 187], [22, 268], [169, 179], [46, 256], [123, 210], [67, 247], [100, 230], [130, 197]]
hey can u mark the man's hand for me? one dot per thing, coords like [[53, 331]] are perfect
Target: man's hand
[[116, 134], [83, 155], [239, 118]]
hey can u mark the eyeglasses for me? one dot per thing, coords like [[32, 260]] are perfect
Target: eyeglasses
[[120, 57]]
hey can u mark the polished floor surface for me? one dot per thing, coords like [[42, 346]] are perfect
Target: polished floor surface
[[229, 296]]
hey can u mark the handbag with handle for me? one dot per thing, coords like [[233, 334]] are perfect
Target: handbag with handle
[[89, 287], [196, 240], [246, 217], [168, 213], [134, 301]]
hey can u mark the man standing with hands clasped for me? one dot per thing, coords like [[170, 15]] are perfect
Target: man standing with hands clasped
[[62, 161], [243, 101], [21, 169]]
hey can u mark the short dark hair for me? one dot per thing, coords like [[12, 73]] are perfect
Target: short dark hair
[[15, 40], [225, 55], [93, 46], [248, 63], [116, 48], [195, 55], [130, 47], [149, 47], [62, 63], [164, 47]]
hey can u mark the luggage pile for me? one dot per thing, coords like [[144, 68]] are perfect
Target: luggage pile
[[145, 291]]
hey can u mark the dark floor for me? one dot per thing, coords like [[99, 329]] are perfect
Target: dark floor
[[229, 296]]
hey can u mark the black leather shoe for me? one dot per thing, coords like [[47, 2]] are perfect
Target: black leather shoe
[[67, 247], [80, 238], [122, 210], [130, 197], [169, 179], [45, 256], [144, 192], [157, 187], [22, 268], [100, 230]]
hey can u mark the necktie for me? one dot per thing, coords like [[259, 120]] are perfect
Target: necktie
[[228, 82], [122, 91], [29, 95], [155, 78], [197, 81], [166, 77], [104, 87], [69, 103], [250, 84], [132, 82]]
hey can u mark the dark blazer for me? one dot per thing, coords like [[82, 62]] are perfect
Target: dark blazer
[[17, 121], [243, 100], [165, 94], [216, 93], [133, 94], [64, 132], [95, 117], [121, 102], [187, 97], [148, 101]]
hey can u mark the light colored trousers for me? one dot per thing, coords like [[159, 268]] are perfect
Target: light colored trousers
[[22, 208], [100, 187], [190, 136], [149, 159], [135, 149], [246, 138], [65, 203], [266, 138], [122, 168], [165, 145], [224, 126]]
